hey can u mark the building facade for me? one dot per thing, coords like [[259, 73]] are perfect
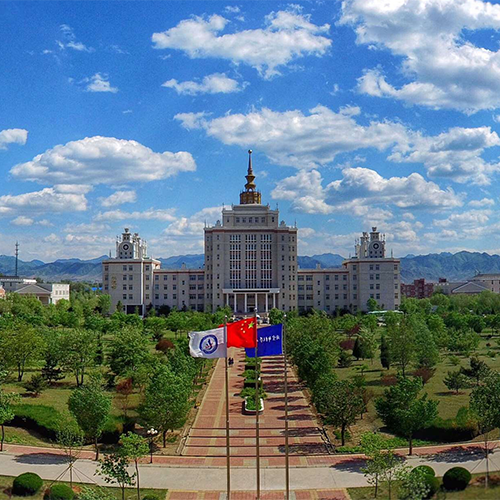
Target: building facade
[[419, 289], [46, 293], [251, 264]]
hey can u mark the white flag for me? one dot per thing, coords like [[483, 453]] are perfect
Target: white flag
[[208, 344]]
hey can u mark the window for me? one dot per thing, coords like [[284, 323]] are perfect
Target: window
[[130, 277], [124, 268], [124, 277], [125, 296], [371, 267], [395, 267], [377, 267]]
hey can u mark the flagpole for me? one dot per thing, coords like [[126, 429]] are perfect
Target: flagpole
[[257, 403], [228, 456], [287, 458]]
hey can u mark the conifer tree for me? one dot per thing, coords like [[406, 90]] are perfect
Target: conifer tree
[[385, 357]]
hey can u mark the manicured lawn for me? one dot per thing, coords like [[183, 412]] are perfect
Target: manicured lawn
[[131, 493]]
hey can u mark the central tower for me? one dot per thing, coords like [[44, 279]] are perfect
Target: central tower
[[250, 256], [250, 196]]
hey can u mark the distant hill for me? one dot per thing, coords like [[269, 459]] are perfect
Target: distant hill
[[454, 267]]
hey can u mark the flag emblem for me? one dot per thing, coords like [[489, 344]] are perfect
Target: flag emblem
[[209, 344]]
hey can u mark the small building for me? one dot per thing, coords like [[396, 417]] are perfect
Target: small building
[[12, 283], [46, 293], [419, 289], [2, 293]]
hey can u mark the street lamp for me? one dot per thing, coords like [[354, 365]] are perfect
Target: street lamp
[[152, 433]]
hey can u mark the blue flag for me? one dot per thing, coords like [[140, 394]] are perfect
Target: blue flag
[[270, 342]]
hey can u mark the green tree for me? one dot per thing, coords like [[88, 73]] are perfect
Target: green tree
[[340, 401], [456, 380], [6, 411], [485, 404], [403, 411], [36, 385], [22, 345], [79, 349], [69, 437], [276, 316], [372, 305], [427, 352], [401, 336], [385, 357], [91, 407], [154, 326], [114, 470], [478, 370], [382, 465], [128, 351], [413, 483], [134, 447], [166, 401], [357, 351]]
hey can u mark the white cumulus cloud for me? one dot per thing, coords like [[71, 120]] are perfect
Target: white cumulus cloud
[[47, 200], [13, 136], [118, 198], [103, 160], [360, 191], [297, 139], [444, 68], [217, 83], [287, 35], [99, 83], [150, 214]]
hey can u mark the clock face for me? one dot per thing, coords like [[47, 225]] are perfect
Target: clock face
[[125, 247], [375, 246]]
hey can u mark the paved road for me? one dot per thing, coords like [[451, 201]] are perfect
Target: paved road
[[346, 473]]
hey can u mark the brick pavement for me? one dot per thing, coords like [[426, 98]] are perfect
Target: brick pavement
[[206, 438]]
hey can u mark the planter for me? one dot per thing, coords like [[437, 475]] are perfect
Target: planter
[[247, 411]]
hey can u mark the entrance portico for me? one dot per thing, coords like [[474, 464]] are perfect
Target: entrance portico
[[248, 300]]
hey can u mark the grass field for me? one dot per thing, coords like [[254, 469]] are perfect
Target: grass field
[[475, 490], [449, 402]]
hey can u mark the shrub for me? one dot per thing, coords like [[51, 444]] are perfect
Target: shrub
[[424, 373], [60, 492], [456, 479], [164, 345], [36, 385], [150, 496], [426, 469], [347, 344], [433, 484], [26, 484], [389, 380]]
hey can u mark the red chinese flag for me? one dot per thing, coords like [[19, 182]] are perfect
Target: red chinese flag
[[242, 333]]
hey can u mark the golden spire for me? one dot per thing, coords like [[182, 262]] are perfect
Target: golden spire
[[250, 195]]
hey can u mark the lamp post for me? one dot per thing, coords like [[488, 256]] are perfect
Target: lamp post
[[152, 433]]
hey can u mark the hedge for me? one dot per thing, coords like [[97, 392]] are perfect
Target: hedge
[[40, 418], [60, 492], [26, 484], [45, 421]]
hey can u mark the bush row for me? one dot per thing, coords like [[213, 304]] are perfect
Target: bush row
[[45, 421]]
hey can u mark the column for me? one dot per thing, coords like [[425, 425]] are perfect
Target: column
[[267, 302], [235, 301], [246, 307], [274, 300], [256, 308], [227, 299]]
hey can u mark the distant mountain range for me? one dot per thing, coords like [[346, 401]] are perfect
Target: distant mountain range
[[454, 267]]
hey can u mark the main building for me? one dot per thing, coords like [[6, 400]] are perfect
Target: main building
[[251, 263]]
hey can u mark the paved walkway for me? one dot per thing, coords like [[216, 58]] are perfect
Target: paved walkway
[[206, 439], [345, 474]]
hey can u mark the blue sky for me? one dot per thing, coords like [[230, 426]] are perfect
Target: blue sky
[[139, 114]]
